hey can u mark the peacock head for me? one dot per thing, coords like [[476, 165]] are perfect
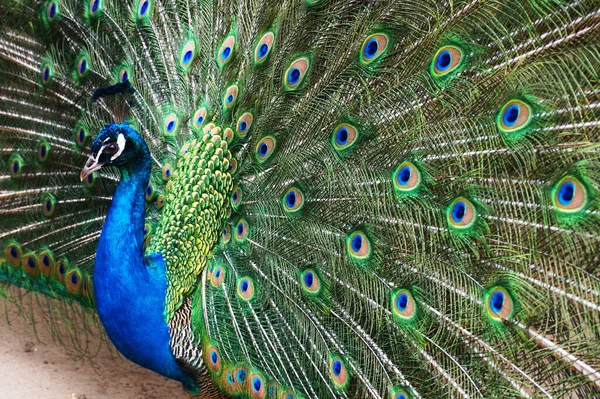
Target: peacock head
[[117, 144]]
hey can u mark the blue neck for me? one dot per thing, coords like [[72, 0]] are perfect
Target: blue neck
[[123, 232], [130, 295]]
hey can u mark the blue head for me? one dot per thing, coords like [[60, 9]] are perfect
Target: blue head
[[117, 145]]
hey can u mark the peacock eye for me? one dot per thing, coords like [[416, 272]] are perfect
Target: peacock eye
[[263, 48], [403, 305], [111, 148], [500, 305], [295, 73], [446, 60], [373, 47]]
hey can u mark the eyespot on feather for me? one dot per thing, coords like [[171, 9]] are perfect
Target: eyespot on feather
[[90, 180], [149, 192], [95, 8], [570, 196], [292, 200], [226, 235], [15, 165], [83, 66], [199, 118], [401, 393], [124, 75], [160, 202], [233, 164], [218, 276], [446, 60], [212, 358], [241, 230], [263, 48], [13, 253], [73, 281], [46, 73], [236, 198], [338, 372], [407, 177], [310, 281], [230, 97], [167, 171], [344, 136], [81, 135], [265, 148], [358, 246], [403, 305], [43, 150], [170, 124], [48, 204], [46, 262], [499, 304], [52, 10], [188, 53], [513, 116], [226, 51], [244, 124], [295, 74], [374, 47], [60, 270], [256, 386], [461, 214], [143, 9], [245, 288], [241, 375], [29, 263]]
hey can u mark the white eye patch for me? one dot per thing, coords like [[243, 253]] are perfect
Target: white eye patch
[[121, 144]]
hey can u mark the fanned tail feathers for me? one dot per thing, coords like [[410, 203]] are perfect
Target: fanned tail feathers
[[414, 210]]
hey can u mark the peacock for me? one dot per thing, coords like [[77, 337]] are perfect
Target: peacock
[[312, 198]]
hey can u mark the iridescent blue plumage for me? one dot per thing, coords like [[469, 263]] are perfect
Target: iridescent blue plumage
[[130, 289]]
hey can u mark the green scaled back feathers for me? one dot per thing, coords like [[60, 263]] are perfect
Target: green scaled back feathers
[[397, 199]]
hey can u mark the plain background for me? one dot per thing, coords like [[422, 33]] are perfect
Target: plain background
[[32, 368]]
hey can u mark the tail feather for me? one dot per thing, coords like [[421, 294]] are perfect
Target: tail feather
[[449, 132]]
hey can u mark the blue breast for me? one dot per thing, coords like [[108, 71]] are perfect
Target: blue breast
[[130, 307]]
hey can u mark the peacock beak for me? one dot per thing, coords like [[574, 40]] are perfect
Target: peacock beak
[[91, 166]]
